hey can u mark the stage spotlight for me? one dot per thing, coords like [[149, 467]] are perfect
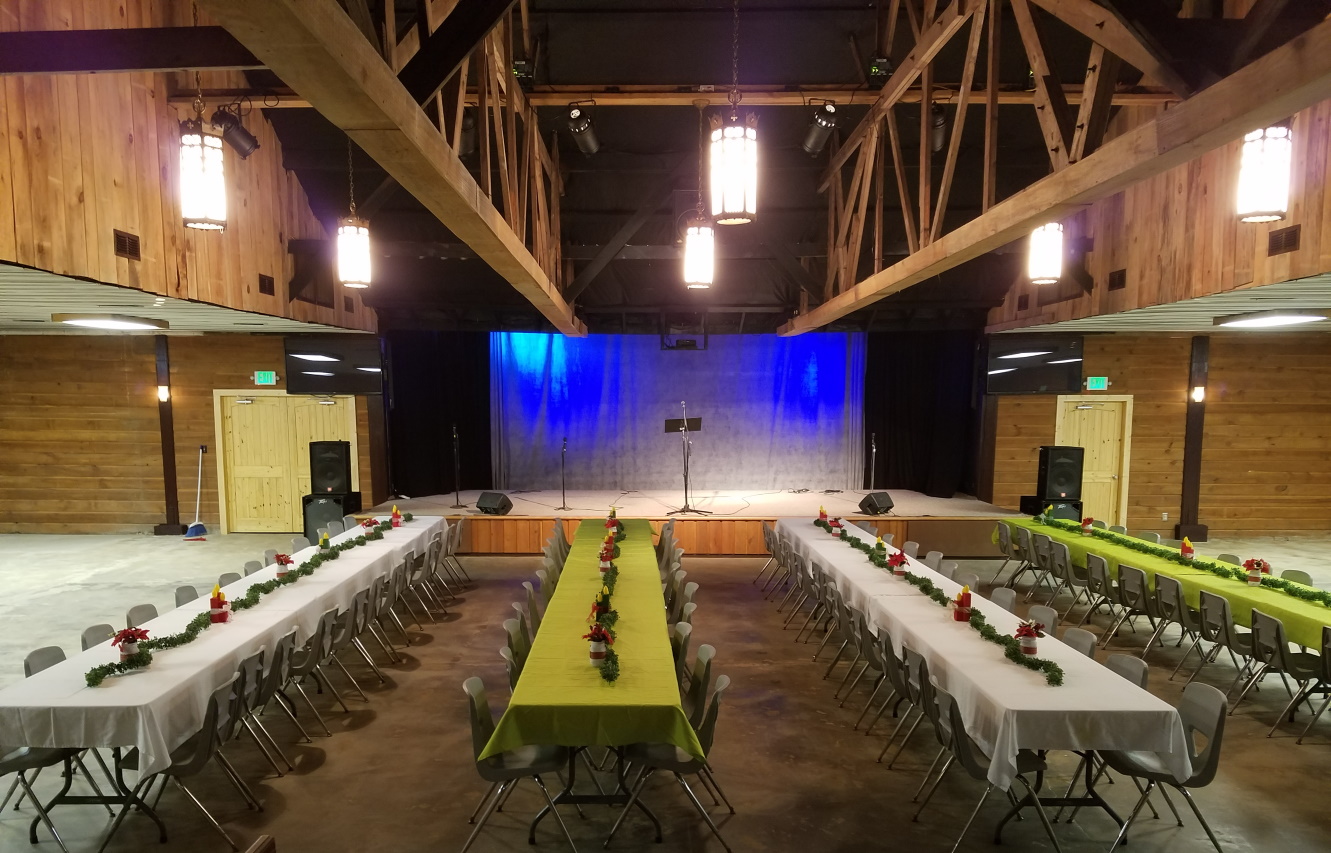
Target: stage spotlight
[[227, 121], [937, 128], [820, 129], [584, 132]]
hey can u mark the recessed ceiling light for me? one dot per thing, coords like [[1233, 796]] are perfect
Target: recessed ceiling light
[[309, 356], [316, 373], [1002, 370], [118, 322], [1268, 319], [1063, 361], [371, 369], [1028, 354]]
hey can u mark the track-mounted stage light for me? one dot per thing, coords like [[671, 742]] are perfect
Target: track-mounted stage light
[[820, 129], [584, 132]]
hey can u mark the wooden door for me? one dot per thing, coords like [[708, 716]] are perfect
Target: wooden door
[[319, 419], [259, 476], [1103, 426]]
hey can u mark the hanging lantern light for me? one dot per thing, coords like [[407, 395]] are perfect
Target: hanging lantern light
[[699, 236], [1044, 263], [353, 240], [202, 182], [734, 166], [1264, 172]]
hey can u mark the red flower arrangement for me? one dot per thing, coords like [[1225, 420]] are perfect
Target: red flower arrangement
[[1087, 521], [1258, 565], [598, 634], [898, 563], [369, 523], [1029, 629], [129, 635], [283, 560]]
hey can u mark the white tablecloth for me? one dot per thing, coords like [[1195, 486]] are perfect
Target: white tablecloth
[[157, 709], [1006, 707]]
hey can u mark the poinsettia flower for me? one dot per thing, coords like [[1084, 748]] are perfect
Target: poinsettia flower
[[1030, 629], [598, 634], [1086, 521], [129, 635], [897, 559], [283, 560]]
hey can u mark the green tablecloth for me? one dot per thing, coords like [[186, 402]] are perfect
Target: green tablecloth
[[561, 698], [1303, 620]]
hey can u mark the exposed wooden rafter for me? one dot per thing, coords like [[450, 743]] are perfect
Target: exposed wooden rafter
[[440, 55], [1051, 108], [316, 49], [1284, 81], [143, 49]]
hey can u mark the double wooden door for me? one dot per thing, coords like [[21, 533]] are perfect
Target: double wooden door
[[1101, 425], [264, 464]]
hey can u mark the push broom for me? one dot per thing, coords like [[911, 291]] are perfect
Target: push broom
[[196, 531]]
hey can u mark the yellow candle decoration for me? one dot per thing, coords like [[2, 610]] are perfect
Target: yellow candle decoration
[[217, 590], [1186, 542]]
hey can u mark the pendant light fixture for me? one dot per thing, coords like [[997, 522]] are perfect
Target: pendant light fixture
[[699, 237], [1264, 173], [1044, 262], [353, 239], [202, 182], [734, 167]]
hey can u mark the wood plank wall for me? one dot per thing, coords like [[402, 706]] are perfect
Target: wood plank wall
[[1177, 237], [79, 443], [1265, 464], [80, 447], [84, 154]]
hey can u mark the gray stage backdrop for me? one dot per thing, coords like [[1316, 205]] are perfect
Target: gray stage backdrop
[[777, 413]]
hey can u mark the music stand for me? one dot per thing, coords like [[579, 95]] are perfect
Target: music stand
[[684, 426]]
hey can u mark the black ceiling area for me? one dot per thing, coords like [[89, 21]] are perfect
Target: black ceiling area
[[426, 278]]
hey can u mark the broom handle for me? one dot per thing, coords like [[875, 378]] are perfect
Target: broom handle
[[198, 486]]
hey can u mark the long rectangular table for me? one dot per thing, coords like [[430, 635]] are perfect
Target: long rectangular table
[[1006, 707], [1303, 620], [561, 698], [158, 708]]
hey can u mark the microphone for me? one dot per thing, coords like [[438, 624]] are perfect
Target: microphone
[[565, 450]]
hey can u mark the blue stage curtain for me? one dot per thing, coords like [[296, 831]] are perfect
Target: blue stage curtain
[[776, 412]]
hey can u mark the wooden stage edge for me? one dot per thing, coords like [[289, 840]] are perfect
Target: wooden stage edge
[[959, 537]]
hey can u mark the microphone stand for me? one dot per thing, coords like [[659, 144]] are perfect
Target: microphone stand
[[457, 471], [873, 459], [686, 444], [563, 497]]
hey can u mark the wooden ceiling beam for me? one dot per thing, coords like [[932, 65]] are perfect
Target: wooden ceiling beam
[[316, 49], [443, 52], [101, 51], [1285, 81], [1051, 108]]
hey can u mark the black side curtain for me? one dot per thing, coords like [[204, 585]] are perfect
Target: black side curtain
[[917, 405], [437, 380]]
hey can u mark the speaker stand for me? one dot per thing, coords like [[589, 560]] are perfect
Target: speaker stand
[[457, 472]]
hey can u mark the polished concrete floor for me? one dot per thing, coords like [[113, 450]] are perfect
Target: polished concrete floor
[[398, 775]]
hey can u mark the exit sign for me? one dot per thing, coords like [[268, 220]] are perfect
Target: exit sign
[[1097, 383], [265, 377]]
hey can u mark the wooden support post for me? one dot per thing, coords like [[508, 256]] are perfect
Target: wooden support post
[[1193, 430], [167, 432], [989, 189], [926, 185]]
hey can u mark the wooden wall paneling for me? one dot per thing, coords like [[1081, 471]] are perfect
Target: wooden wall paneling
[[79, 435]]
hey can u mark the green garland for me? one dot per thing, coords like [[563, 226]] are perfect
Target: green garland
[[1053, 673], [200, 623], [1220, 570], [610, 666], [610, 578]]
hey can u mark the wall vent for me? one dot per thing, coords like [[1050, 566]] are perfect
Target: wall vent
[[127, 245], [1023, 301], [1118, 279], [1283, 240], [266, 285], [347, 305]]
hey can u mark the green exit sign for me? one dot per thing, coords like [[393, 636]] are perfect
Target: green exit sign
[[1097, 383], [265, 377]]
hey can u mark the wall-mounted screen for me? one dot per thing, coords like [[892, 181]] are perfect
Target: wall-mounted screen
[[333, 364], [1033, 364]]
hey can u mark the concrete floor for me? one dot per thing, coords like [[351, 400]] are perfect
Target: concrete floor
[[398, 773]]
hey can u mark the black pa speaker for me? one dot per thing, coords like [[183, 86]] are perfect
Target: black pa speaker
[[1060, 473], [876, 503], [494, 503], [330, 467], [321, 509]]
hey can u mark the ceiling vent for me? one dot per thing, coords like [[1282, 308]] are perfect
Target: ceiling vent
[[127, 245], [1118, 279], [1283, 240]]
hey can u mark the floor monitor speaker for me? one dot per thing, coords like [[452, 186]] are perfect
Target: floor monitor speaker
[[1060, 473], [330, 467], [876, 503], [321, 509], [494, 503]]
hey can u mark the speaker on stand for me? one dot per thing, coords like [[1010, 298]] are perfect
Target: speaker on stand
[[330, 467], [1060, 473]]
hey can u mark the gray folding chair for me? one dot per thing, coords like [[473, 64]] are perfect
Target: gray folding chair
[[1148, 536], [969, 579], [270, 556], [1046, 616], [1005, 597], [348, 522], [228, 578], [186, 594], [1271, 653], [95, 635], [933, 559], [911, 549], [299, 543], [1232, 559], [679, 647], [1298, 576], [1081, 640], [140, 613], [253, 566]]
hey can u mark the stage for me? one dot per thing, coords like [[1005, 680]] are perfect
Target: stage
[[958, 526]]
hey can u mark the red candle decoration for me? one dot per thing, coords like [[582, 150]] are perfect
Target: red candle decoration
[[397, 517], [898, 562], [1185, 549], [822, 514], [219, 609], [961, 605]]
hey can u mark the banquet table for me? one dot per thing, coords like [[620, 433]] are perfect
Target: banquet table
[[561, 698], [1303, 620], [156, 709], [1006, 707]]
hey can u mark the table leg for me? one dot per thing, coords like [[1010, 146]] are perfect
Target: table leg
[[619, 797], [1090, 798]]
